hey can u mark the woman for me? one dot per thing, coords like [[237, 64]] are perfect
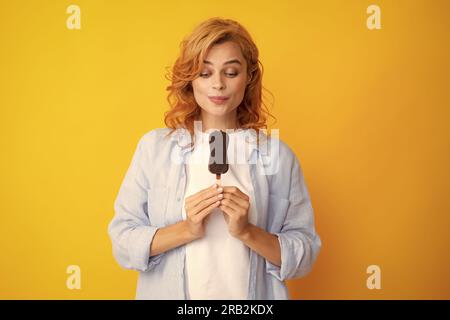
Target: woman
[[190, 237]]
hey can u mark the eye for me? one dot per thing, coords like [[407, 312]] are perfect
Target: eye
[[228, 74]]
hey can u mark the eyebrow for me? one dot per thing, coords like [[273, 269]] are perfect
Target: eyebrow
[[228, 62]]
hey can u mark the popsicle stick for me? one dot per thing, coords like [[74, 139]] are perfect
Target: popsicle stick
[[218, 182]]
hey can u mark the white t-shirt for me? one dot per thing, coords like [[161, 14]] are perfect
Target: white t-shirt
[[217, 265]]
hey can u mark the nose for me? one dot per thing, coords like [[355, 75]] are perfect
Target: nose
[[218, 83]]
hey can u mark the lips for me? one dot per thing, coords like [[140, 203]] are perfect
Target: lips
[[218, 99]]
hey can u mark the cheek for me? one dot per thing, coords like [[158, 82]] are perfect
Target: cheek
[[239, 86], [199, 89]]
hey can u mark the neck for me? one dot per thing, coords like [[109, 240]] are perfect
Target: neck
[[209, 121]]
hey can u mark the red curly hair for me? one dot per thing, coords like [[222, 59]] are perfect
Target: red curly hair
[[252, 113]]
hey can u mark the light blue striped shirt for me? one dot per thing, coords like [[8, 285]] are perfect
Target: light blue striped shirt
[[151, 197]]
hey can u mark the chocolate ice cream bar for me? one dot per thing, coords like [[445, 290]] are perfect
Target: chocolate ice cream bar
[[218, 144]]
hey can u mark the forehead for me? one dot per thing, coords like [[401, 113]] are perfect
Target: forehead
[[220, 53]]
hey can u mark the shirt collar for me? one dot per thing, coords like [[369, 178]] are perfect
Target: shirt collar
[[184, 143]]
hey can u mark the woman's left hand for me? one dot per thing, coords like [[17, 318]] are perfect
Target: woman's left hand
[[235, 205]]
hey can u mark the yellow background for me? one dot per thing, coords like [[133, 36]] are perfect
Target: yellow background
[[366, 111]]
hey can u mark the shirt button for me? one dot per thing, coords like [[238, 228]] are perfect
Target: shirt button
[[178, 199]]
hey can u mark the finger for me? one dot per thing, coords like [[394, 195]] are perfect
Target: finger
[[231, 204], [194, 208], [209, 193], [235, 190], [205, 203], [202, 214], [239, 201], [227, 210], [195, 196]]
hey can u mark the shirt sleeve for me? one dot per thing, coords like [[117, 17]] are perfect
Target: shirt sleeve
[[130, 230], [299, 243]]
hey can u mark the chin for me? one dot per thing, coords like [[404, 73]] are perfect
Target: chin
[[218, 113], [218, 110]]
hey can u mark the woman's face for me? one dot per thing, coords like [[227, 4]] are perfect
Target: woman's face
[[223, 75]]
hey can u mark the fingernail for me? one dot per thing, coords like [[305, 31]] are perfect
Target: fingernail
[[220, 196], [220, 189], [215, 185]]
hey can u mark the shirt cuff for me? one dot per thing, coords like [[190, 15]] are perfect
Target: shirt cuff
[[290, 249], [140, 242]]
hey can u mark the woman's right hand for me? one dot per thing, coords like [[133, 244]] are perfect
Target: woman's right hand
[[199, 205]]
